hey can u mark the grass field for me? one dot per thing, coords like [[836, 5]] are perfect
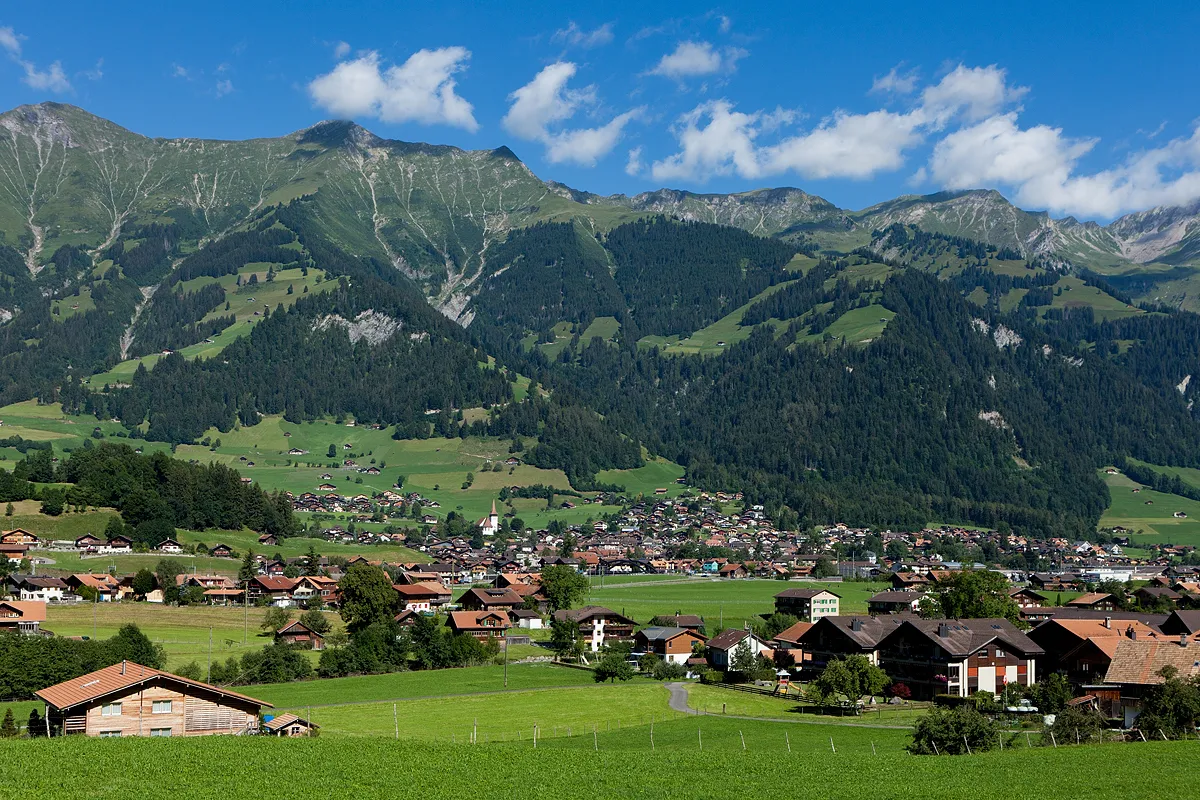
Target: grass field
[[722, 603], [1072, 292], [437, 468], [869, 766], [1150, 514], [423, 684], [716, 337], [715, 700], [246, 304], [856, 326], [182, 631], [508, 716]]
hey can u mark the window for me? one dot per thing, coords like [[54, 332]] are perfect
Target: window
[[109, 734], [110, 710], [162, 706], [160, 731]]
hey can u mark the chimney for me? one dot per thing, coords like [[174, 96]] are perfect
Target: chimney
[[1183, 640], [944, 630], [122, 666], [1108, 622], [856, 624]]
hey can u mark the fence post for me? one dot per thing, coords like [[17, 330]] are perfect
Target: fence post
[[700, 739], [1053, 741], [743, 737], [968, 745], [873, 748], [831, 747], [396, 720], [788, 740]]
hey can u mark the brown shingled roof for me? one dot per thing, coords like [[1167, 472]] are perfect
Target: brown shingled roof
[[1138, 661], [124, 675]]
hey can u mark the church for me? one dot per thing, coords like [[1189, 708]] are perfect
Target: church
[[490, 525]]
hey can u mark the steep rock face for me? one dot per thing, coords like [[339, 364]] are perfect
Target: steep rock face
[[763, 211], [1159, 234]]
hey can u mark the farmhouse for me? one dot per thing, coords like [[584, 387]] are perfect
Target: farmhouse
[[838, 637], [221, 551], [17, 616], [808, 605], [670, 644], [19, 536], [288, 725], [490, 600], [1083, 648], [893, 603], [958, 657], [1094, 601], [1137, 664], [37, 587], [106, 587], [598, 624], [297, 633], [420, 596], [169, 546], [480, 624], [719, 649], [128, 699]]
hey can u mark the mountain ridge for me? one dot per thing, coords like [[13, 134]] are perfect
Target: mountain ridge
[[434, 211]]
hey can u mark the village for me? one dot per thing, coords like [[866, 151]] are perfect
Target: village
[[1086, 616]]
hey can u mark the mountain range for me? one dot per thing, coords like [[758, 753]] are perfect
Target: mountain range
[[944, 357], [68, 177]]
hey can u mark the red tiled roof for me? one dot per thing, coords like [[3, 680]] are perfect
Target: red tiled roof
[[117, 677]]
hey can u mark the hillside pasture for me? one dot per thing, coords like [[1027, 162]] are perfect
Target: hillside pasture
[[723, 603], [1150, 514], [692, 753]]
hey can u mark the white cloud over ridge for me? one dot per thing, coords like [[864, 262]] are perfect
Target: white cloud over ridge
[[52, 79], [546, 101], [421, 90], [577, 36], [696, 59]]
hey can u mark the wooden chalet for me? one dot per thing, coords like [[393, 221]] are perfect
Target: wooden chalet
[[298, 634], [128, 699]]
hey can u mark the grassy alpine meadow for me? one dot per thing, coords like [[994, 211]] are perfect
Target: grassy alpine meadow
[[723, 603], [507, 716], [81, 767], [182, 631], [437, 468], [422, 683], [1150, 514]]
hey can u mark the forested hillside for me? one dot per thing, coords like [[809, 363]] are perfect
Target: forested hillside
[[916, 361]]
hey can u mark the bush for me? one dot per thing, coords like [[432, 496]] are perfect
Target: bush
[[712, 676], [668, 671], [1074, 726], [954, 731]]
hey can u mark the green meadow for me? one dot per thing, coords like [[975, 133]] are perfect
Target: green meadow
[[1150, 514], [722, 603], [702, 758]]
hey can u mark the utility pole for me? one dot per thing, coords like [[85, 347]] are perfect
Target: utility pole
[[506, 661], [246, 605], [208, 676]]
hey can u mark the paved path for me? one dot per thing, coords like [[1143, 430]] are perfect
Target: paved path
[[679, 702]]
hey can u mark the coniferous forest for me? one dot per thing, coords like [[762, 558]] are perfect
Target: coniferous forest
[[938, 417]]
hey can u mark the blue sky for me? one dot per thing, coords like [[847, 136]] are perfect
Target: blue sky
[[1087, 109]]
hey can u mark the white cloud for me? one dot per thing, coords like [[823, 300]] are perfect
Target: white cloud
[[1041, 165], [422, 89], [178, 71], [847, 146], [896, 82], [714, 139], [634, 165], [723, 146], [546, 101], [224, 87], [341, 50], [52, 79], [575, 35], [724, 23], [692, 59], [977, 91], [96, 72], [10, 41]]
